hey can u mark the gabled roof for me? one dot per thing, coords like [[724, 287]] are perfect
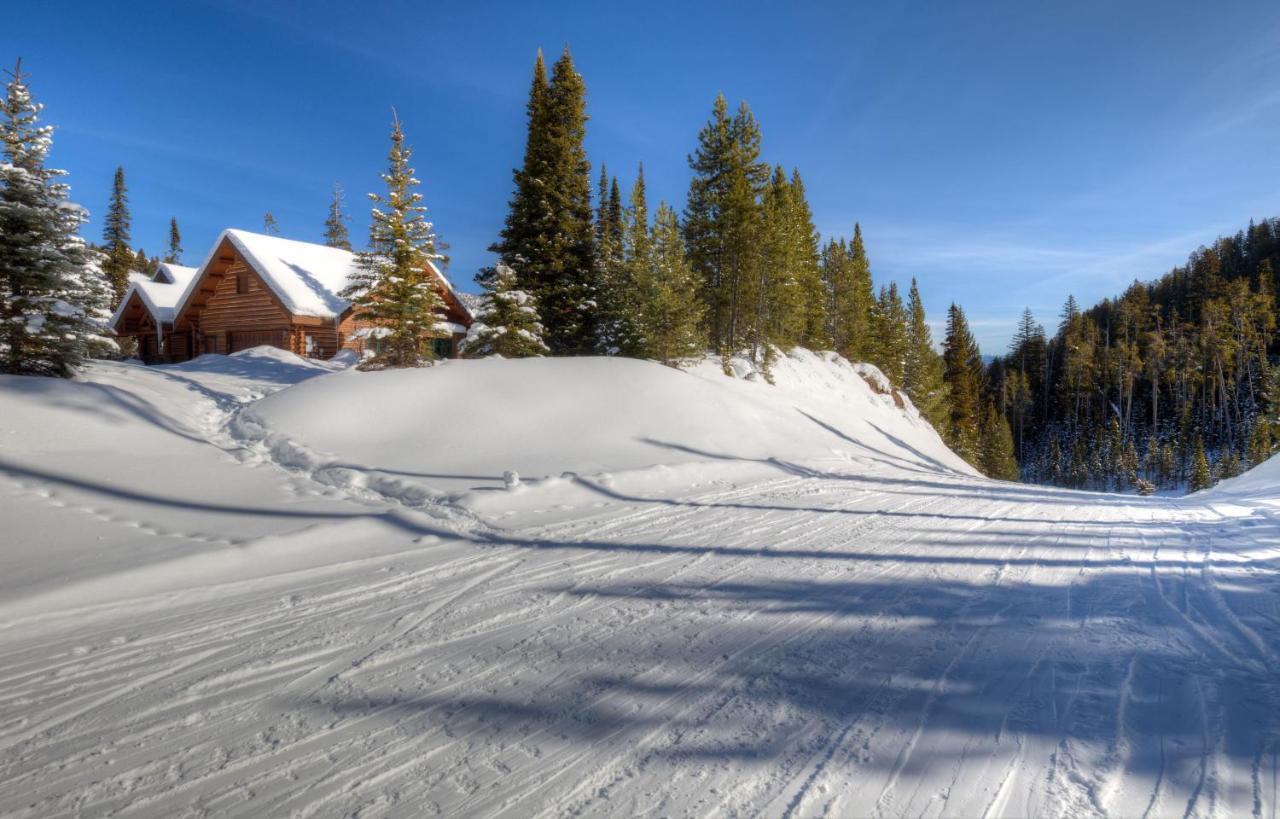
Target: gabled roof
[[306, 278], [171, 273], [473, 302], [161, 298]]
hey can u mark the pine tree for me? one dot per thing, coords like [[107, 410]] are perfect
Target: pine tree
[[508, 323], [996, 458], [1260, 443], [613, 292], [394, 288], [722, 223], [52, 294], [548, 235], [335, 224], [963, 375], [637, 272], [922, 371], [115, 238], [269, 225], [671, 313], [889, 328], [174, 255], [813, 319], [1201, 477]]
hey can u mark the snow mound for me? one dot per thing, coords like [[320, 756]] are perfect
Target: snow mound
[[461, 425], [1260, 484]]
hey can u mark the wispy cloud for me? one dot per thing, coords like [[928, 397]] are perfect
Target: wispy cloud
[[933, 249]]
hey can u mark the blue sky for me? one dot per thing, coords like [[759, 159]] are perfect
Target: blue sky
[[1005, 154]]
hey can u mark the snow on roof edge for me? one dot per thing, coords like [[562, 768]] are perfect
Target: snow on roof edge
[[237, 238]]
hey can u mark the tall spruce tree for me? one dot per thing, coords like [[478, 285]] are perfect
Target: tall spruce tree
[[52, 294], [548, 237], [637, 272], [963, 375], [1201, 476], [120, 257], [995, 450], [174, 254], [671, 313], [394, 288], [922, 366], [812, 320], [722, 223], [889, 330], [508, 323], [612, 290], [851, 299], [335, 224]]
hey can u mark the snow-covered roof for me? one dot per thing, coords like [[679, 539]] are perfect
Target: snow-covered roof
[[306, 277], [161, 298], [473, 302], [174, 273]]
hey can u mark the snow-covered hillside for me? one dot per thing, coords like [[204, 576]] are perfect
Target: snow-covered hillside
[[257, 585]]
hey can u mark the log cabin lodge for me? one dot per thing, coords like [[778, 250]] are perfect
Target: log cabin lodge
[[254, 289]]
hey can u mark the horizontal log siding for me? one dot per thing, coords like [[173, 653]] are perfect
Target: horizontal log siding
[[229, 310]]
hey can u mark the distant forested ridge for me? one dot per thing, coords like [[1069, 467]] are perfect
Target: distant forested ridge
[[1169, 384]]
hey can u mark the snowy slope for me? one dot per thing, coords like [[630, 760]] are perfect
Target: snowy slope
[[254, 585], [462, 425]]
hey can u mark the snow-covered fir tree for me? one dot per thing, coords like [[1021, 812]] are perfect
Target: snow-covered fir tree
[[52, 292], [508, 323], [394, 289]]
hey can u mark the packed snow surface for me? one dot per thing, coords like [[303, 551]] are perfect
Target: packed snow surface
[[257, 585]]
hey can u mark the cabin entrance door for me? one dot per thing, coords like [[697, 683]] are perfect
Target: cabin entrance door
[[244, 339]]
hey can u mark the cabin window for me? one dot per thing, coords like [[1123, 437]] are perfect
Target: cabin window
[[242, 283], [309, 345], [442, 347]]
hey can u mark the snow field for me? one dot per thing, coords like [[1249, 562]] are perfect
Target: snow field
[[800, 605]]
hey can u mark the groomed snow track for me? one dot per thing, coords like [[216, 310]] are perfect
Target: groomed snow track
[[887, 640]]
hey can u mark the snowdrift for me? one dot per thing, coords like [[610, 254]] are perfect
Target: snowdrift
[[1259, 485], [459, 426]]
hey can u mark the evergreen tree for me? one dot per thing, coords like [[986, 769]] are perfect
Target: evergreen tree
[[889, 326], [672, 312], [52, 295], [922, 366], [115, 238], [548, 235], [174, 255], [269, 225], [963, 375], [996, 458], [335, 224], [722, 223], [637, 272], [1201, 477], [613, 293], [813, 319], [393, 287], [508, 323], [1260, 443], [142, 264]]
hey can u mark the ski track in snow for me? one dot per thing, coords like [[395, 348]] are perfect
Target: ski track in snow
[[857, 643]]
